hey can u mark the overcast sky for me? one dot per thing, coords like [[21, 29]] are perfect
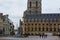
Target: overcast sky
[[15, 8]]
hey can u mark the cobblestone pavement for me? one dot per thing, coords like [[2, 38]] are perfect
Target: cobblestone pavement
[[31, 38]]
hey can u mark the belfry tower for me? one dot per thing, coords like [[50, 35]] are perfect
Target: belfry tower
[[33, 7]]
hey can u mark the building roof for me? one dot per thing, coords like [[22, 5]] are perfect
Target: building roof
[[42, 16]]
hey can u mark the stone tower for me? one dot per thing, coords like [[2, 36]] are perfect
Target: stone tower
[[33, 7]]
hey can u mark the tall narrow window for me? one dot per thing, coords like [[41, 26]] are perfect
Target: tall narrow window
[[50, 28], [54, 29], [28, 29], [30, 4], [39, 29], [36, 4], [32, 29], [35, 28], [25, 28], [46, 29], [43, 28]]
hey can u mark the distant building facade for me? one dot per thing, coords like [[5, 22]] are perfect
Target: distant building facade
[[12, 28], [6, 26], [35, 23], [1, 24]]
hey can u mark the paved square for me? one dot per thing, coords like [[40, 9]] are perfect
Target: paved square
[[31, 38]]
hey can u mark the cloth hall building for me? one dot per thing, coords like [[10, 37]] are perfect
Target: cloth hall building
[[36, 23]]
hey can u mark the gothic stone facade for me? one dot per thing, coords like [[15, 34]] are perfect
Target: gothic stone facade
[[35, 23]]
